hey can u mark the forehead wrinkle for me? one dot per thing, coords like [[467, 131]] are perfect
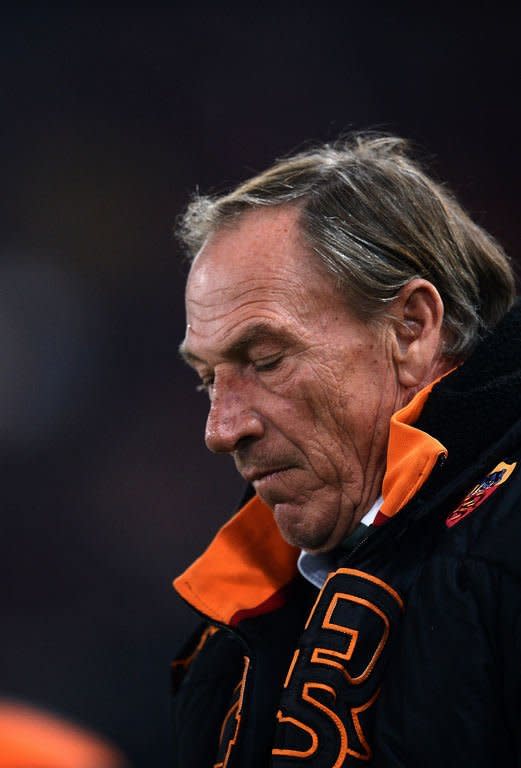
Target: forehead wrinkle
[[270, 301], [236, 290], [216, 313]]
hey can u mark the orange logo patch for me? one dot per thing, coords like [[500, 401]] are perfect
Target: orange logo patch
[[481, 492]]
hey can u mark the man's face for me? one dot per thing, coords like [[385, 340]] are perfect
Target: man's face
[[301, 391]]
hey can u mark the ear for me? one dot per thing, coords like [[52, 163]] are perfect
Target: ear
[[418, 318]]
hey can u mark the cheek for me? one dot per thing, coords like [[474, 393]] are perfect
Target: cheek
[[347, 416], [332, 412], [317, 422]]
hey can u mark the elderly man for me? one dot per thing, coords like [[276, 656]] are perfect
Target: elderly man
[[354, 331]]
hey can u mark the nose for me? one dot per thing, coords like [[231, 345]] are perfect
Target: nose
[[232, 417]]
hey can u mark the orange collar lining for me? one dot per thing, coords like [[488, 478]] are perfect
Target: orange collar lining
[[244, 567], [411, 455]]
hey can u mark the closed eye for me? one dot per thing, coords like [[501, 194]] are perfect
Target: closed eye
[[261, 366], [268, 364]]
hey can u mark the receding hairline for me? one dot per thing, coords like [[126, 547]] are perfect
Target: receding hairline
[[231, 222]]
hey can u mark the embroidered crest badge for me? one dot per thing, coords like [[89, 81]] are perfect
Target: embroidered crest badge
[[481, 492]]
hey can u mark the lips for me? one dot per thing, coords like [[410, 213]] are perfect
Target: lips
[[256, 475]]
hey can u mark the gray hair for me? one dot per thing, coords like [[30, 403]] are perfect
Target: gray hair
[[377, 221]]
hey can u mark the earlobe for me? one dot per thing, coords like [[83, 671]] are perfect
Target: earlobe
[[418, 331]]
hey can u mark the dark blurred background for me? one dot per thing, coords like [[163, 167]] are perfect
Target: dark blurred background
[[110, 118]]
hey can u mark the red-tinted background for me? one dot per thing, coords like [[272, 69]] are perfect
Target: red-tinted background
[[110, 118]]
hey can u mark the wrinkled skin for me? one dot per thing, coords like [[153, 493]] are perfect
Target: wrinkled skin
[[301, 390]]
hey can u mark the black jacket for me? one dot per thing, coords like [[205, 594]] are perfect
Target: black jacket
[[410, 657]]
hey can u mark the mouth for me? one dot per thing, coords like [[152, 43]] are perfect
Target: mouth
[[258, 477]]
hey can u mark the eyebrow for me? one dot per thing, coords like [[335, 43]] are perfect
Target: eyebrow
[[252, 335]]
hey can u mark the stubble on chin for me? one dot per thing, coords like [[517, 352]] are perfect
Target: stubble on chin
[[308, 525]]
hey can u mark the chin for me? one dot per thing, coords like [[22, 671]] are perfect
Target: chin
[[316, 533]]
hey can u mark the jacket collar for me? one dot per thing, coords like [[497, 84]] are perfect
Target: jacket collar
[[244, 570]]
